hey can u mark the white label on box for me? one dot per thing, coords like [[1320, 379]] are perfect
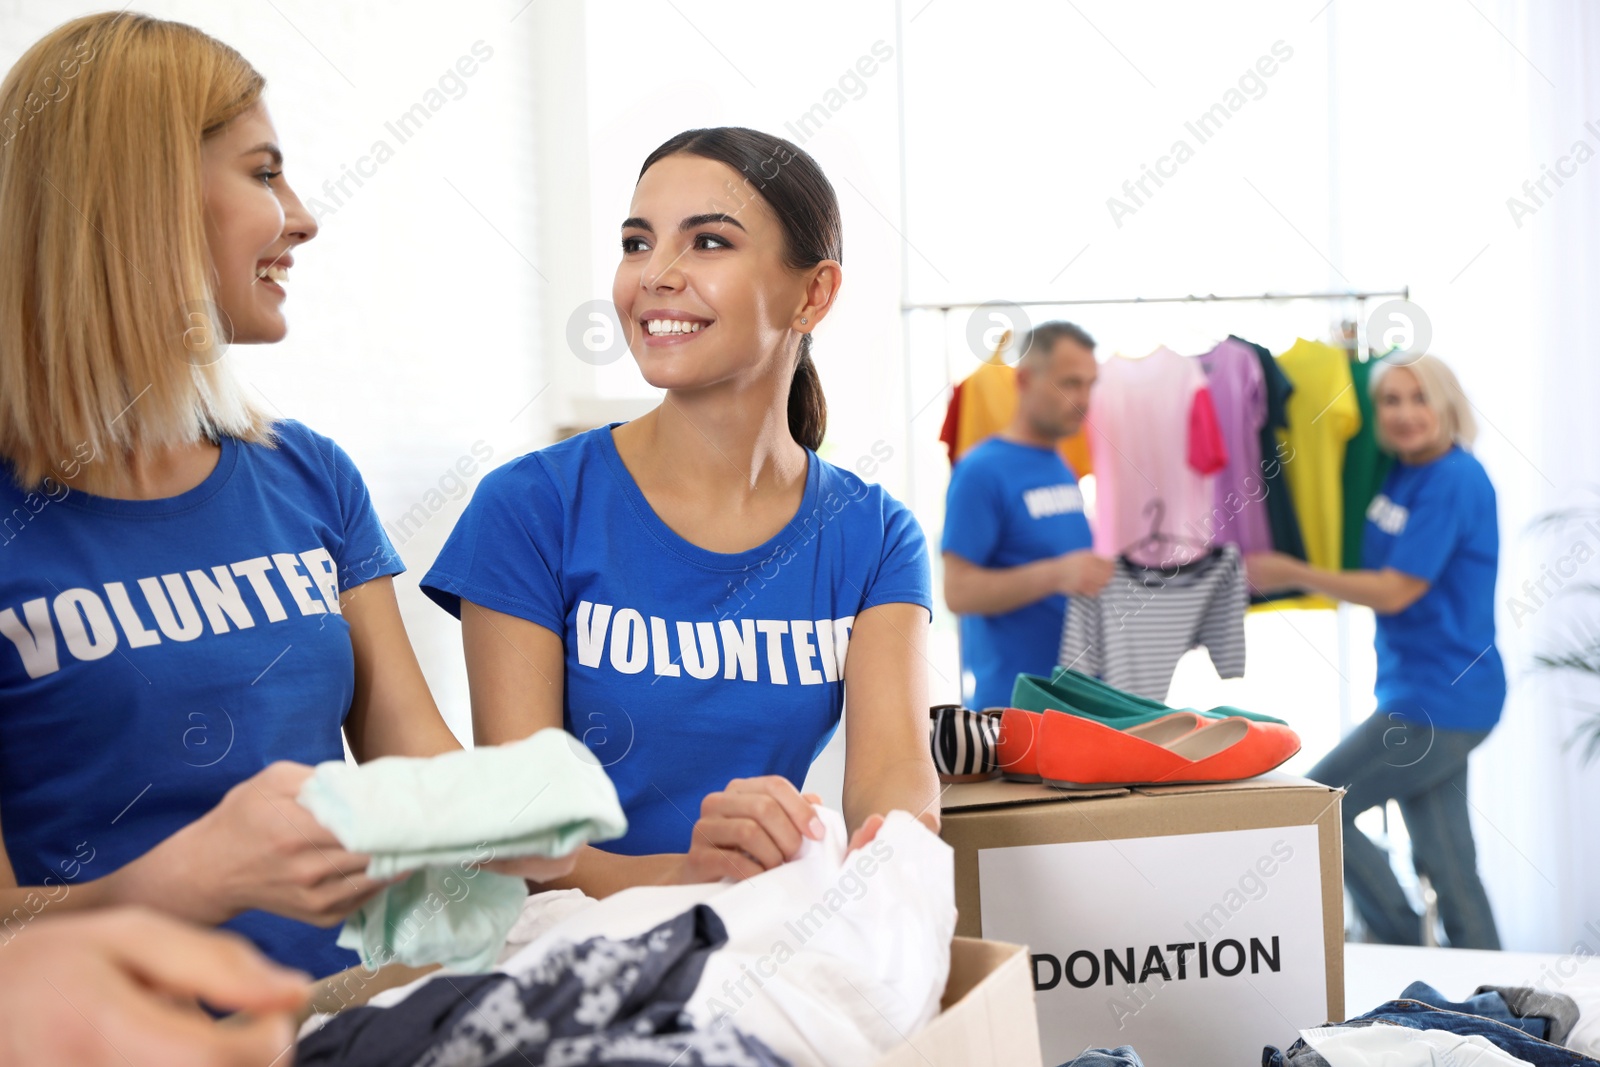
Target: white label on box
[[1197, 949]]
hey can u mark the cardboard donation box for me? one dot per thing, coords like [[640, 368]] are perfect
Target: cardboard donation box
[[1195, 923], [986, 1018]]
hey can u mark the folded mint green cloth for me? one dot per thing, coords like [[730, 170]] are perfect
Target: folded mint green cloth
[[444, 817], [458, 918]]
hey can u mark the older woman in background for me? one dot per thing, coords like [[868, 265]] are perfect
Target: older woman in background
[[1430, 556]]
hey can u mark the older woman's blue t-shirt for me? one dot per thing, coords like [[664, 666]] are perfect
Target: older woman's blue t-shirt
[[1437, 660], [155, 653], [685, 668]]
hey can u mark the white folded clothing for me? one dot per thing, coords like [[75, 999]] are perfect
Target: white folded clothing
[[832, 959], [1388, 1045]]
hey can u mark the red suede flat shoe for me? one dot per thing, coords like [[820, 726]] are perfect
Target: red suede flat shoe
[[1079, 753], [1018, 746]]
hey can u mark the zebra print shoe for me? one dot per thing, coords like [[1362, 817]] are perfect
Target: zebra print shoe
[[965, 743]]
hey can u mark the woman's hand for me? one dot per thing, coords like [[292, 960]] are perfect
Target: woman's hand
[[868, 830], [754, 825], [1082, 573], [137, 974], [258, 848], [1272, 572]]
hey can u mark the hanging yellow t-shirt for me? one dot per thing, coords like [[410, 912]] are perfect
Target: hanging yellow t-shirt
[[1323, 416], [989, 399]]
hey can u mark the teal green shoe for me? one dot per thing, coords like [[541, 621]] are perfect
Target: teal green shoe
[[1098, 698], [1033, 693]]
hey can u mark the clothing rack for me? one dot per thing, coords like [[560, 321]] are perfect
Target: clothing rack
[[944, 307], [907, 308]]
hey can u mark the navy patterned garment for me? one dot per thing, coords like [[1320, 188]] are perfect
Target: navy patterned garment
[[601, 1001]]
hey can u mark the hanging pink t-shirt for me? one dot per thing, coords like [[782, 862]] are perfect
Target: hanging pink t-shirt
[[1156, 445]]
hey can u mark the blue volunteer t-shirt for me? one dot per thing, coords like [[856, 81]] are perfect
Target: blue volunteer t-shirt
[[685, 668], [154, 653], [1011, 504], [1437, 661]]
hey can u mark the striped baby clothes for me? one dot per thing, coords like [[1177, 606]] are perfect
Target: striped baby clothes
[[1133, 634], [963, 742]]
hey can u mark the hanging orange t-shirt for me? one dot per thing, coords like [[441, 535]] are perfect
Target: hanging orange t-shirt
[[986, 401]]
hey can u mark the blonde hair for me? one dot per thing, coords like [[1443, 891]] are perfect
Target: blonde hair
[[1441, 391], [109, 343]]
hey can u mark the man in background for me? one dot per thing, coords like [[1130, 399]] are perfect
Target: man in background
[[1016, 541]]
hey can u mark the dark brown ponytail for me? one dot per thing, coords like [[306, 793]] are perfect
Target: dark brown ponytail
[[803, 200], [808, 408]]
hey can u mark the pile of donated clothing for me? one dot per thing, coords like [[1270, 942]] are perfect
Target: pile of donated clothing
[[1494, 1027], [826, 961]]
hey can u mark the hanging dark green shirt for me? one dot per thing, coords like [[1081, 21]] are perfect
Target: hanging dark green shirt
[[1365, 465]]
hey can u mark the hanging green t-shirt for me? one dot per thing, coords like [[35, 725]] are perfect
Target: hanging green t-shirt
[[1365, 464]]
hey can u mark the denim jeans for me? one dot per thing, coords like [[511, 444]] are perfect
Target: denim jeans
[[1490, 1005], [1425, 769], [1419, 1016]]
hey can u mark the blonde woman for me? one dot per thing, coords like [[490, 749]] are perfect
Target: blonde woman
[[1431, 551], [194, 597]]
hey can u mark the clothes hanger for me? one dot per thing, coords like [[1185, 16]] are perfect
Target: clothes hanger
[[1342, 335], [1156, 511]]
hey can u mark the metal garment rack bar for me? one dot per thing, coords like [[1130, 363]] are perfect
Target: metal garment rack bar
[[1193, 298]]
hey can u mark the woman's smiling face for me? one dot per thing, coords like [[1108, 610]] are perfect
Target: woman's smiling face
[[253, 220], [1408, 422], [703, 287]]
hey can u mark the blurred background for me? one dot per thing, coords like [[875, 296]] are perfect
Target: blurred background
[[469, 225]]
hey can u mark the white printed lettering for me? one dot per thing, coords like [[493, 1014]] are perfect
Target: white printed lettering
[[804, 652], [289, 568], [319, 564], [185, 625], [630, 645], [256, 571], [658, 638], [592, 622], [698, 658], [774, 629], [36, 641], [830, 665], [739, 648], [139, 636], [1053, 500], [220, 599], [85, 624]]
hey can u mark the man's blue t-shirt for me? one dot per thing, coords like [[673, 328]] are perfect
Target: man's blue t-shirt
[[1437, 661], [685, 668], [155, 653], [1011, 504]]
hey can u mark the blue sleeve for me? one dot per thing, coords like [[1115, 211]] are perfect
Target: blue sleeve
[[972, 515], [1434, 525], [904, 575], [367, 552], [506, 550]]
